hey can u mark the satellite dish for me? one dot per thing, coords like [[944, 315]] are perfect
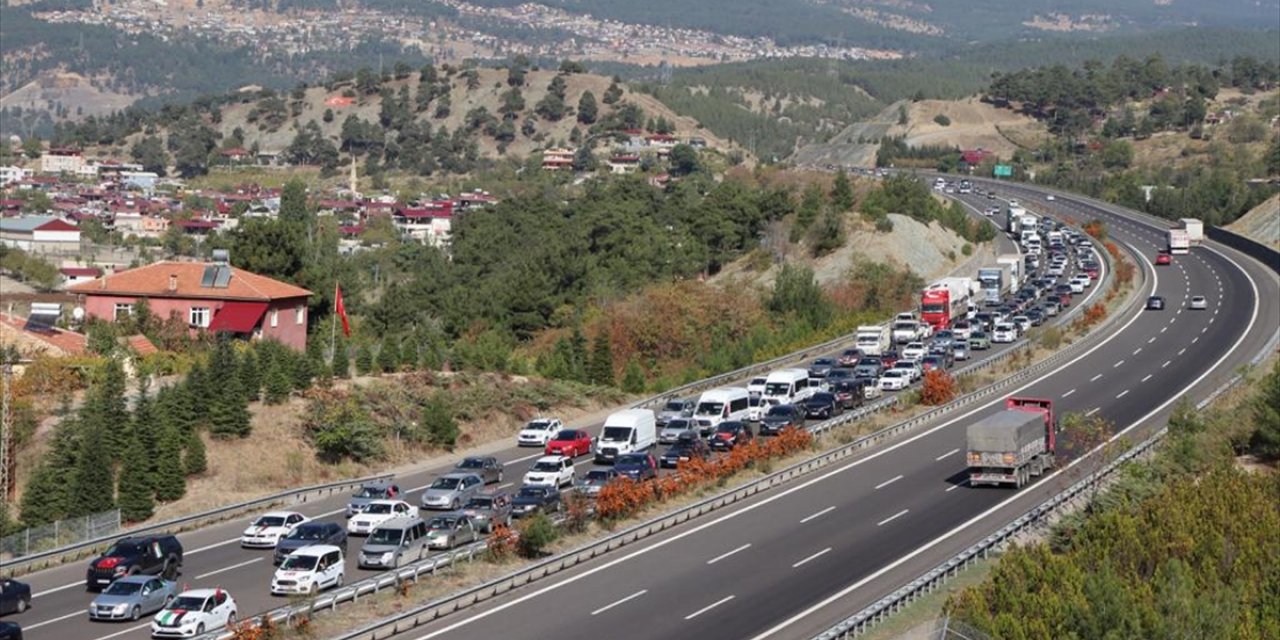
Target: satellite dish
[[77, 314]]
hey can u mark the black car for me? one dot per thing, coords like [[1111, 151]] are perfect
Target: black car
[[820, 367], [983, 321], [851, 393], [153, 555], [946, 355], [309, 533], [531, 499], [869, 368], [684, 450], [1036, 316], [821, 406], [637, 466], [780, 417], [1155, 303], [841, 373], [10, 630], [731, 434], [15, 597]]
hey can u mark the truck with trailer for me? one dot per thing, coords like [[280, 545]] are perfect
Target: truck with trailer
[[1195, 230], [1013, 446], [945, 301], [1179, 241], [1013, 217], [1016, 265], [872, 339], [993, 283]]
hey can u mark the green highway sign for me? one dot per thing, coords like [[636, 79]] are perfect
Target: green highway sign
[[1004, 170]]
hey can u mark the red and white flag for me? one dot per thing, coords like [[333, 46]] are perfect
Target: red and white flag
[[341, 310]]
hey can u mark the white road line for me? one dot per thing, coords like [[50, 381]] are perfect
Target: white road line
[[1122, 394], [726, 555], [1148, 377], [707, 608], [1093, 411], [889, 481], [1182, 351], [1166, 363], [230, 568], [1068, 393], [1204, 329], [528, 457], [892, 518], [812, 557], [1195, 340], [1095, 378], [954, 487], [626, 599], [818, 514], [1117, 364], [57, 619], [951, 452], [1163, 329], [1137, 351], [1153, 339], [129, 630]]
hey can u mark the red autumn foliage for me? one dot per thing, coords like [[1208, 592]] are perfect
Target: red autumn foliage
[[939, 388]]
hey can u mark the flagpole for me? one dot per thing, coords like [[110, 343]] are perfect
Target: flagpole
[[333, 332]]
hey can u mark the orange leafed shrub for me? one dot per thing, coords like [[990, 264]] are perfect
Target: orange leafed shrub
[[502, 542], [1096, 229], [263, 628], [939, 388]]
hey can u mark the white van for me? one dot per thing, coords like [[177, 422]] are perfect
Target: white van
[[393, 542], [627, 431], [721, 405], [309, 570], [788, 386], [1004, 332], [872, 339]]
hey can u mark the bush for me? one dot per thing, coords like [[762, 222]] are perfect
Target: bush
[[536, 534], [341, 430], [942, 120], [939, 388]]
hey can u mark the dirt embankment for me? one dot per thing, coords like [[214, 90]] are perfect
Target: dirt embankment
[[1262, 223]]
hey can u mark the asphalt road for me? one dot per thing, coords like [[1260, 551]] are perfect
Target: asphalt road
[[791, 563], [213, 556]]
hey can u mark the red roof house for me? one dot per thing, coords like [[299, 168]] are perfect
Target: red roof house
[[208, 296]]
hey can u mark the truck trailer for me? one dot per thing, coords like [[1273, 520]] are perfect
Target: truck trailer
[[1016, 265], [945, 301], [1195, 230], [1179, 241], [1013, 446]]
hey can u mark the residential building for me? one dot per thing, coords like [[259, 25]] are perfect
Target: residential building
[[557, 159], [9, 175], [72, 276], [57, 161], [212, 297], [38, 335], [624, 164], [430, 223], [40, 234]]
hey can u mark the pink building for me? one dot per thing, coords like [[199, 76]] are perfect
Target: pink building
[[208, 296]]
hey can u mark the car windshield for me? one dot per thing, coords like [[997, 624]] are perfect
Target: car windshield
[[895, 373], [547, 465], [822, 397], [616, 434], [379, 507], [757, 381], [674, 405], [710, 408], [777, 388], [442, 522], [296, 562], [538, 425], [823, 362], [123, 588], [386, 536], [530, 492], [483, 502], [309, 533], [446, 483], [904, 325], [371, 492], [471, 463], [679, 424], [566, 435], [122, 549], [727, 427], [598, 475], [779, 410], [186, 603], [631, 459]]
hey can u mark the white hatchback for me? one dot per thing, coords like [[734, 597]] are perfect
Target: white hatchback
[[309, 570], [193, 613], [1198, 303]]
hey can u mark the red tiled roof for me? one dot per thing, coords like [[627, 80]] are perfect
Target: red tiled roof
[[141, 345], [57, 225], [80, 272], [153, 281], [67, 342]]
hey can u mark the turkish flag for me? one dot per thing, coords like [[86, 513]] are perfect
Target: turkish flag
[[341, 310]]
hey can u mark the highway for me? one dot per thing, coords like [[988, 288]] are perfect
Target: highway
[[788, 564], [213, 556]]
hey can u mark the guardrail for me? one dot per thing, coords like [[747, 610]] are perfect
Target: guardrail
[[80, 550], [468, 597]]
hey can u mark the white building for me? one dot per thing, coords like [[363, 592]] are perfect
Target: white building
[[10, 175]]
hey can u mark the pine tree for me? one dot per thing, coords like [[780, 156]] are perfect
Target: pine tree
[[195, 392], [601, 369], [341, 361], [229, 412], [194, 459], [304, 371], [46, 497], [633, 378], [842, 192], [364, 359], [105, 406], [389, 356], [93, 480], [250, 376], [136, 497], [588, 110], [279, 386], [438, 422], [144, 432], [171, 481], [578, 364]]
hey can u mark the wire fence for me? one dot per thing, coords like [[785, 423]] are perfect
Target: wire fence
[[59, 534]]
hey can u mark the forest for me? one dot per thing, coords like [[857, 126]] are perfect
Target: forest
[[1182, 546]]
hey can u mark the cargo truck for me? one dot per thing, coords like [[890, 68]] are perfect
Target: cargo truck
[[1015, 263], [1014, 445], [872, 339], [1195, 230], [992, 282], [945, 301], [1179, 241], [1013, 217]]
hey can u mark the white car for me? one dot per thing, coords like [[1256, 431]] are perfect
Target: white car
[[193, 613], [894, 380], [1022, 322], [554, 471], [1076, 285], [269, 528], [1198, 303], [1004, 332], [912, 367], [309, 570], [378, 512], [538, 432], [1050, 198], [913, 351], [756, 386]]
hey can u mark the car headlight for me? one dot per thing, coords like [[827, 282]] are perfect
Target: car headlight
[[121, 608], [388, 556]]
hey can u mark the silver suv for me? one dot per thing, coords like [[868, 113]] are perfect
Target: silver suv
[[451, 490], [489, 509]]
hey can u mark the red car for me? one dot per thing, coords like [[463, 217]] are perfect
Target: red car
[[849, 357], [889, 358], [1164, 259], [571, 443]]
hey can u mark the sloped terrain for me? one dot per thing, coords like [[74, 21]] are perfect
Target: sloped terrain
[[1262, 223]]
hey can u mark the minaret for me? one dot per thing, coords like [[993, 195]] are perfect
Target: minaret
[[355, 192]]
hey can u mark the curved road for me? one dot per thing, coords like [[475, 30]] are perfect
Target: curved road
[[791, 563]]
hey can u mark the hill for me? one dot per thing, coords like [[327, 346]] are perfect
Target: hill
[[1262, 223]]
